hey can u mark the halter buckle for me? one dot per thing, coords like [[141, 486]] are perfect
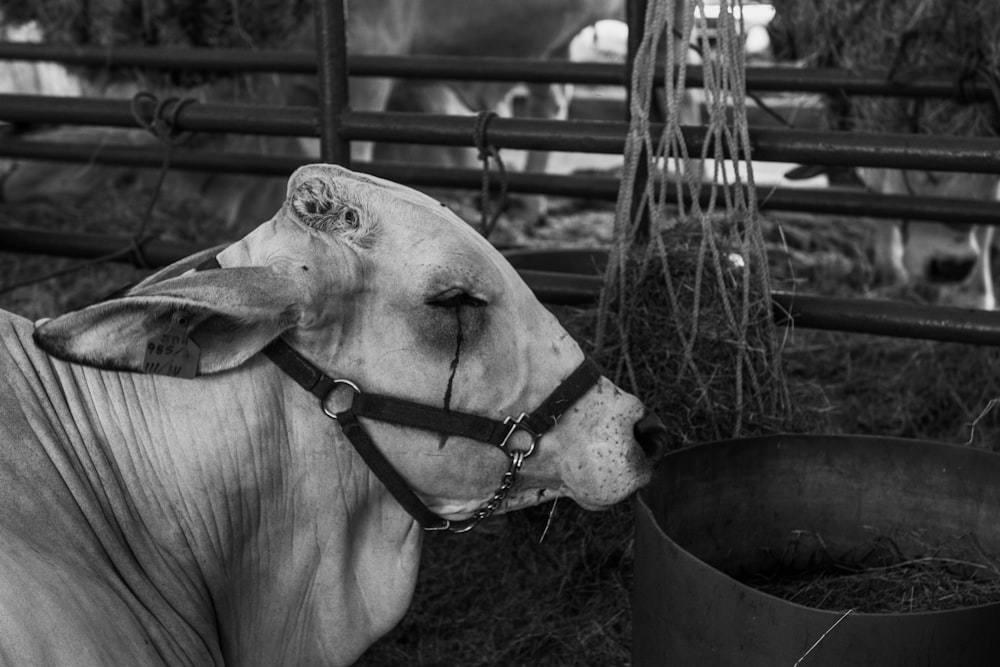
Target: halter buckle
[[515, 424]]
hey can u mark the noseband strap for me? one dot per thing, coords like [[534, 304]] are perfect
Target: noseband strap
[[403, 412]]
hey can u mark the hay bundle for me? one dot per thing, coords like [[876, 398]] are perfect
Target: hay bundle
[[256, 24], [707, 369], [915, 39], [178, 23], [685, 316]]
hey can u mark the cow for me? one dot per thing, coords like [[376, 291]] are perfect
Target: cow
[[458, 28], [954, 256], [540, 28], [187, 475]]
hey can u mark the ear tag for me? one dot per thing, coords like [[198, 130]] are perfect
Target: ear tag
[[173, 353]]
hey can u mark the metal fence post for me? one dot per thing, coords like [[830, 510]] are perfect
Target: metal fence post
[[331, 63]]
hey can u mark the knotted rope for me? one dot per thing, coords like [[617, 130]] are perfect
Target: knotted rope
[[486, 153], [159, 118]]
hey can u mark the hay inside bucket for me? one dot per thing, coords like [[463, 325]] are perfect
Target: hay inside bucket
[[901, 573]]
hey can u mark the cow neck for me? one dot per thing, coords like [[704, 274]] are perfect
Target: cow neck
[[432, 418]]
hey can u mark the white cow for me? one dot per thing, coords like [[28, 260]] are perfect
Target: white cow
[[150, 519], [534, 28], [954, 255]]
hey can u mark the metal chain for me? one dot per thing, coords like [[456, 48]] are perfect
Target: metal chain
[[509, 477]]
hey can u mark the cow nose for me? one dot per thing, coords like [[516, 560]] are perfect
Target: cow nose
[[951, 269], [651, 435]]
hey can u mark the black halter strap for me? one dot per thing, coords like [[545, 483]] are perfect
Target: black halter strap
[[431, 418]]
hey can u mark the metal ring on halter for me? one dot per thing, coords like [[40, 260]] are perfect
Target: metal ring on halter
[[515, 424], [322, 402]]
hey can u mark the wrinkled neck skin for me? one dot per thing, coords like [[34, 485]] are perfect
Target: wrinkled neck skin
[[292, 555]]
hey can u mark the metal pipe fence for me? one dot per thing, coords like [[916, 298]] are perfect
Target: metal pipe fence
[[887, 318], [895, 151], [519, 70], [337, 127], [605, 188]]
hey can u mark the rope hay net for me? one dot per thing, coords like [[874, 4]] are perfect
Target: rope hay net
[[685, 317]]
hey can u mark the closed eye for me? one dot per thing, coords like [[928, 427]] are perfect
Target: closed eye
[[455, 298]]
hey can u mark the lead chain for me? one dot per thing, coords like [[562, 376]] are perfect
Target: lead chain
[[509, 477]]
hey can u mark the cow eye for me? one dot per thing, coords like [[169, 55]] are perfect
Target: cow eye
[[455, 298]]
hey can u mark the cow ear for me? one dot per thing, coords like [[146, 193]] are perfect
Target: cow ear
[[227, 314]]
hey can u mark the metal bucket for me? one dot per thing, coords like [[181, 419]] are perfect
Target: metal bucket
[[714, 509]]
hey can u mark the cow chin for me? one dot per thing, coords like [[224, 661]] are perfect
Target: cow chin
[[598, 487], [588, 496], [611, 494]]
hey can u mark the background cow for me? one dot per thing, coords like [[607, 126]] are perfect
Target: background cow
[[535, 29], [956, 256]]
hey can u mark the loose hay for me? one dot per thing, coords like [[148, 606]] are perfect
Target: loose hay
[[958, 39], [254, 24], [177, 23], [880, 576], [853, 383]]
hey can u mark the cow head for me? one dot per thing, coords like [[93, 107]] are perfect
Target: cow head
[[953, 256], [375, 282]]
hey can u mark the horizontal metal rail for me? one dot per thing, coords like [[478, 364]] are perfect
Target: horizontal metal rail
[[828, 201], [76, 245], [758, 79], [807, 311], [879, 317], [200, 117], [183, 159], [888, 318], [896, 151]]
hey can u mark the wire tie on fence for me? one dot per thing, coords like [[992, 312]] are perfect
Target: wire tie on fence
[[487, 152], [136, 252], [159, 117], [974, 69], [901, 57], [161, 122], [965, 84]]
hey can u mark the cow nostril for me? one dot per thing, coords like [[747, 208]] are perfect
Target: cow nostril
[[950, 270], [651, 435]]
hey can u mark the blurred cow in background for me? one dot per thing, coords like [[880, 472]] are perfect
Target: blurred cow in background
[[954, 256], [532, 29], [908, 42]]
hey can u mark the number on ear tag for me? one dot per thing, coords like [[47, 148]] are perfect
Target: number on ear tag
[[173, 353]]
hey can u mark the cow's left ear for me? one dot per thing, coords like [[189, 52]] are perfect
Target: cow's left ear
[[228, 314]]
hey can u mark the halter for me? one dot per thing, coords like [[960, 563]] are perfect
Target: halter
[[403, 412]]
